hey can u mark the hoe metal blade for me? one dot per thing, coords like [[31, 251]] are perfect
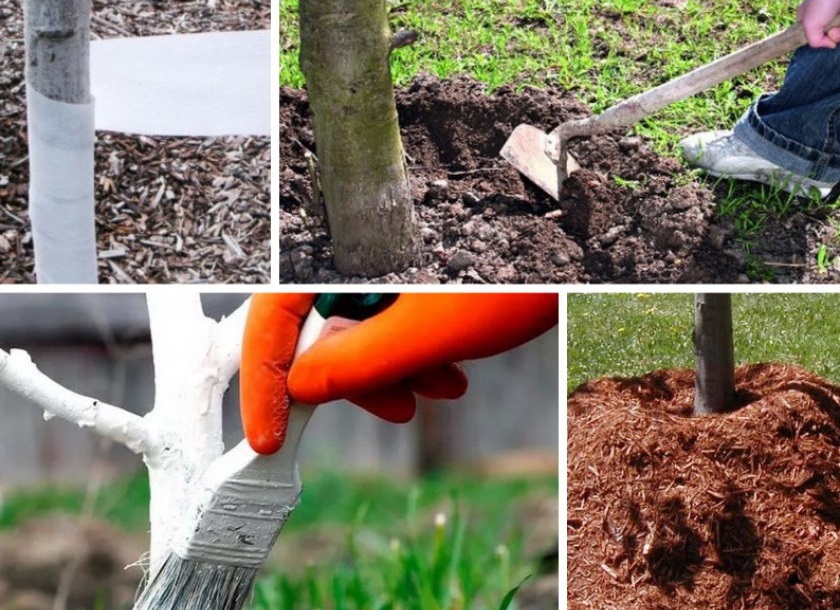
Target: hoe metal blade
[[525, 150]]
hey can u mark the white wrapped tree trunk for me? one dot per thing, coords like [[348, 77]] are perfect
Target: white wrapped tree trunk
[[61, 137], [194, 359]]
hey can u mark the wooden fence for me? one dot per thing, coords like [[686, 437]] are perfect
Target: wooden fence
[[98, 345]]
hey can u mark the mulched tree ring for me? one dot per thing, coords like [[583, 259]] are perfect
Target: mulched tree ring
[[737, 510], [167, 209]]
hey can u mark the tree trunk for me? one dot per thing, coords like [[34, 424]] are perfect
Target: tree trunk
[[57, 35], [61, 138], [345, 46], [714, 387]]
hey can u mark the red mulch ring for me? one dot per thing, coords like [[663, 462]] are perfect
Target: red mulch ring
[[740, 510]]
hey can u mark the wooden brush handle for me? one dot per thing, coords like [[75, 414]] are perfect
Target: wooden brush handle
[[642, 105]]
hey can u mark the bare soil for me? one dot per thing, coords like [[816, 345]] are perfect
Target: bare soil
[[738, 510], [92, 558], [630, 216], [167, 209]]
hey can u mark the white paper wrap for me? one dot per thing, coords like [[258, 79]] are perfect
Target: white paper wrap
[[210, 84], [61, 191]]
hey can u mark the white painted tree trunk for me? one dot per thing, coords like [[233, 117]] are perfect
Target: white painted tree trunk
[[194, 359], [61, 136]]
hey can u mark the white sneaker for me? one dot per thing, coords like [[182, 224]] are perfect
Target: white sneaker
[[720, 153]]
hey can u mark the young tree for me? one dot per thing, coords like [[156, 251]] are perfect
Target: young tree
[[194, 359], [714, 386], [344, 55], [61, 137]]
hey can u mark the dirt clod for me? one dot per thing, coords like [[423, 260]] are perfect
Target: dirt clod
[[740, 510]]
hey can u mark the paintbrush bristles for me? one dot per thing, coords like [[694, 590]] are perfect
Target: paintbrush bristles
[[184, 584]]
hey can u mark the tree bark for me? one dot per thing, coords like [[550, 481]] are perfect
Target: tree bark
[[61, 140], [345, 46], [57, 40], [714, 386]]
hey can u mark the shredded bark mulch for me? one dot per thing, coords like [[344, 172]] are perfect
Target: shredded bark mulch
[[168, 209], [738, 510]]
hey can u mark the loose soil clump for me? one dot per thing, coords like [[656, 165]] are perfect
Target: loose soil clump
[[629, 216], [737, 510]]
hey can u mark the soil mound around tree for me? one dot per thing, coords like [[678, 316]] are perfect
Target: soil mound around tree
[[739, 510], [629, 216]]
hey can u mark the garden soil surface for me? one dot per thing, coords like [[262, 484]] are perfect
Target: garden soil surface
[[737, 510], [628, 216]]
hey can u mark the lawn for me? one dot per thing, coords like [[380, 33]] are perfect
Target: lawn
[[631, 334], [604, 52], [447, 542]]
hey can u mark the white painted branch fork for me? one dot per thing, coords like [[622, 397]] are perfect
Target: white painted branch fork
[[194, 359]]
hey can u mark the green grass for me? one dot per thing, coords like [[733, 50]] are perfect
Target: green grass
[[385, 548], [632, 334], [124, 503], [602, 51], [446, 543]]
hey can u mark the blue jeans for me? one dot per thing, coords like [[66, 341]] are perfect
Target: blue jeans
[[798, 127]]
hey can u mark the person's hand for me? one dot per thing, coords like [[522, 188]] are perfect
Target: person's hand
[[815, 16], [380, 364], [268, 347]]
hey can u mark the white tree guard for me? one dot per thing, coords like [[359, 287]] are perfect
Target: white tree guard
[[61, 191], [193, 85], [208, 84]]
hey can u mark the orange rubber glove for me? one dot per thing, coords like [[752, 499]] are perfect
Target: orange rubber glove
[[380, 364]]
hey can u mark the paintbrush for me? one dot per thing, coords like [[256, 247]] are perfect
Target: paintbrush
[[244, 500]]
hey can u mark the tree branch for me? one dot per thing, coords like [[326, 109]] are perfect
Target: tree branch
[[19, 374], [227, 340]]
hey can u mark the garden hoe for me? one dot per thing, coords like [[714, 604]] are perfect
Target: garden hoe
[[244, 498], [545, 158]]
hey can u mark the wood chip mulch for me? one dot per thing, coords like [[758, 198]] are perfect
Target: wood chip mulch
[[740, 510], [169, 210]]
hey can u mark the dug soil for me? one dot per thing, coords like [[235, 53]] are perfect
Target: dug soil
[[739, 510], [629, 216]]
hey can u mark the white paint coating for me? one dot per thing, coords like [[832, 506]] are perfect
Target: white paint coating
[[19, 374], [245, 498], [194, 359]]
